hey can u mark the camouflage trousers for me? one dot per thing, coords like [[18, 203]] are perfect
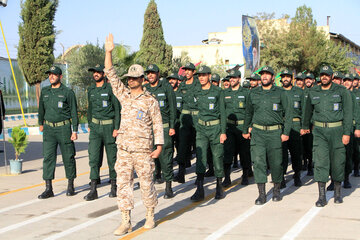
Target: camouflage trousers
[[144, 166]]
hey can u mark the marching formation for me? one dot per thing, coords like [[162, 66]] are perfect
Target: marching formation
[[315, 123]]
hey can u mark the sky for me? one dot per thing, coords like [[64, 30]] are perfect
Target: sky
[[185, 22]]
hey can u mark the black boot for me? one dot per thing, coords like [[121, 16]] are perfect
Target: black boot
[[92, 195], [245, 179], [276, 193], [262, 195], [210, 171], [199, 194], [113, 188], [331, 186], [98, 181], [337, 193], [310, 169], [227, 179], [219, 189], [70, 189], [356, 172], [48, 190], [297, 180], [321, 202], [168, 191], [180, 177], [347, 183], [158, 178], [283, 183], [251, 173]]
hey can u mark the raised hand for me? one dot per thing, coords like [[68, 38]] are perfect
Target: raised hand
[[109, 43]]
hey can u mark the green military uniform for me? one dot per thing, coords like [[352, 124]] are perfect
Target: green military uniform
[[211, 124], [235, 102], [165, 95], [57, 112], [331, 113], [103, 119], [356, 154], [296, 101], [188, 121], [271, 116]]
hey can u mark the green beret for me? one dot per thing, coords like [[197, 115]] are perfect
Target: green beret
[[152, 68], [234, 73], [55, 70], [204, 69], [97, 68], [326, 69]]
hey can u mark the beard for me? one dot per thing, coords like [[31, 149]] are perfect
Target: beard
[[55, 83], [266, 84], [100, 79]]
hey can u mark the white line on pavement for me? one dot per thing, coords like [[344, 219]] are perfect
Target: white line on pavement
[[106, 216], [305, 220], [230, 225]]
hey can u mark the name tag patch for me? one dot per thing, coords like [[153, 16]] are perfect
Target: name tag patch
[[211, 97], [104, 103], [275, 106], [60, 104], [228, 97], [161, 94], [241, 96], [140, 115], [104, 94], [296, 104]]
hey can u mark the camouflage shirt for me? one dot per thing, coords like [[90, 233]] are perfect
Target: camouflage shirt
[[140, 118]]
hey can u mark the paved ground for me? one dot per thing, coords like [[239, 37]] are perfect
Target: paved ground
[[23, 216]]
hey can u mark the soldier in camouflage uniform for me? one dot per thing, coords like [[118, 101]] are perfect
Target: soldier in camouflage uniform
[[140, 123]]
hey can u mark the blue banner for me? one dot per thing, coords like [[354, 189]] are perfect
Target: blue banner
[[251, 44]]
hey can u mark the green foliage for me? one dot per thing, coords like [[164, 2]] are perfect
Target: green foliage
[[299, 45], [19, 140], [122, 58], [153, 48], [37, 38]]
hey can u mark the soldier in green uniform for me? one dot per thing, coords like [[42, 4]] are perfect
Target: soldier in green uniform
[[165, 95], [356, 81], [270, 113], [211, 131], [225, 82], [235, 98], [57, 112], [254, 80], [307, 139], [215, 79], [329, 107], [174, 81], [299, 78], [356, 153], [188, 118], [104, 122], [296, 100], [338, 78]]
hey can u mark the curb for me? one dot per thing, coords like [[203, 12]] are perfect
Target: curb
[[35, 130]]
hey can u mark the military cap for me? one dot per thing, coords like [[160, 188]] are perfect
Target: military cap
[[225, 79], [356, 76], [97, 68], [190, 66], [267, 69], [215, 77], [326, 69], [234, 73], [286, 72], [300, 76], [348, 76], [152, 68], [173, 76], [204, 69], [338, 74], [135, 71], [309, 75], [254, 76], [246, 84], [55, 70]]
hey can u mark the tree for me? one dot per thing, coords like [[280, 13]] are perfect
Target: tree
[[299, 45], [123, 58], [37, 38], [153, 48]]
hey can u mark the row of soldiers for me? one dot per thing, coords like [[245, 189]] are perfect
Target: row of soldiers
[[217, 123]]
